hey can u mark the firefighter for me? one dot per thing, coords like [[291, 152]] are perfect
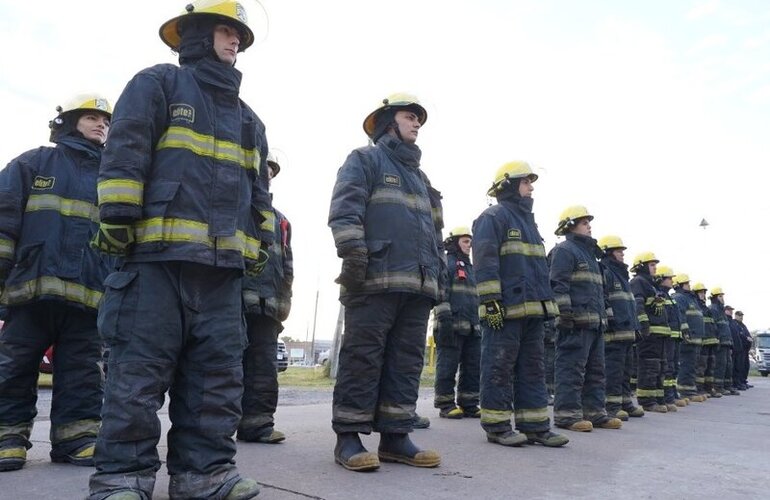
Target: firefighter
[[746, 339], [723, 367], [267, 301], [689, 349], [664, 276], [622, 329], [737, 351], [578, 285], [654, 329], [51, 283], [183, 196], [457, 333], [515, 298], [707, 360], [386, 219]]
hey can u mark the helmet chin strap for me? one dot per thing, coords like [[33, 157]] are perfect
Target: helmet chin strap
[[395, 128]]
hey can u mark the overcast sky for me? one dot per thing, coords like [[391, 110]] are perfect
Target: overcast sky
[[652, 113]]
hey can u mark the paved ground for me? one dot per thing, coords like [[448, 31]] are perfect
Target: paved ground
[[718, 449]]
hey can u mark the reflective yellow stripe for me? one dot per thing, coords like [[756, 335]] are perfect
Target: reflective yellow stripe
[[646, 393], [347, 233], [586, 318], [396, 411], [619, 336], [7, 249], [462, 287], [669, 382], [398, 197], [437, 216], [65, 206], [531, 415], [587, 276], [491, 287], [676, 334], [615, 399], [643, 317], [660, 330], [51, 286], [695, 341], [495, 416], [625, 296], [120, 191], [515, 247], [706, 319], [206, 145], [159, 229], [443, 308], [710, 341], [564, 300], [532, 308], [405, 280], [269, 223]]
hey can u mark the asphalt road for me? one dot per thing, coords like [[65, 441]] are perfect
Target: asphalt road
[[717, 449]]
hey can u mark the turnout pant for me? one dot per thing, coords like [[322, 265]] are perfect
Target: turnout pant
[[513, 377], [260, 373], [380, 362], [686, 380], [459, 352], [720, 367], [651, 369], [175, 326], [549, 356], [579, 377], [707, 363], [671, 349], [77, 377], [617, 374]]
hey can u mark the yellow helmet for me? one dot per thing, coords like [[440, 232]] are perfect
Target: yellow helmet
[[681, 279], [663, 272], [645, 258], [516, 169], [228, 11], [698, 287], [569, 217], [272, 162], [611, 242], [717, 290], [457, 232], [85, 102], [399, 100]]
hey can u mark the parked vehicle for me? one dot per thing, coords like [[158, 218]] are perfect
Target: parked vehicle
[[282, 357], [762, 354], [323, 357]]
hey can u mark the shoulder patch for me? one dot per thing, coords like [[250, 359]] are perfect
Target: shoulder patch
[[617, 286], [182, 112], [582, 266], [514, 234], [393, 180], [43, 182]]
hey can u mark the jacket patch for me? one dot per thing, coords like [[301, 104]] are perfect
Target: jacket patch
[[618, 286], [514, 234], [182, 112], [393, 180], [582, 266], [43, 182]]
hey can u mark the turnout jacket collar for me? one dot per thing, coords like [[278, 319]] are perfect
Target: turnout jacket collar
[[619, 268], [217, 74], [400, 151], [82, 145]]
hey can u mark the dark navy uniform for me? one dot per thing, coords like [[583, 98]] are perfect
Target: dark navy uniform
[[384, 205], [707, 359], [723, 367], [185, 165], [671, 348], [267, 299], [461, 348], [689, 350], [48, 215], [578, 287]]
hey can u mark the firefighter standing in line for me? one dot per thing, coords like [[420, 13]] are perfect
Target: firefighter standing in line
[[386, 220], [183, 195], [654, 329], [51, 283], [707, 359], [689, 349], [516, 299], [664, 278], [723, 368], [747, 341], [457, 333], [622, 329], [578, 286], [267, 301], [737, 351]]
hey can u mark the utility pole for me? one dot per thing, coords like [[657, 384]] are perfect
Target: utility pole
[[336, 343], [312, 339]]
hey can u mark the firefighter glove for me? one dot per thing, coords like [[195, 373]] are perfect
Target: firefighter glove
[[353, 272], [495, 314], [658, 306], [686, 335], [114, 239], [253, 267], [564, 322]]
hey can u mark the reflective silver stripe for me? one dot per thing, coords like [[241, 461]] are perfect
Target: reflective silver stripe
[[256, 421], [684, 326], [74, 430], [438, 217], [532, 415], [396, 196], [625, 296], [159, 229], [495, 416], [532, 308], [345, 414], [206, 145], [461, 325], [587, 276], [586, 318], [461, 287], [7, 249], [120, 191], [396, 411], [564, 301], [443, 308], [706, 319], [491, 287], [444, 398], [693, 312], [615, 399], [347, 233], [619, 336], [50, 286], [65, 206], [517, 247]]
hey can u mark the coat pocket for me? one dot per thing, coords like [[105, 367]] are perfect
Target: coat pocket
[[117, 310]]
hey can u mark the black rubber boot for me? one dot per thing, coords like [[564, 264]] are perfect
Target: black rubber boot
[[351, 454], [399, 448]]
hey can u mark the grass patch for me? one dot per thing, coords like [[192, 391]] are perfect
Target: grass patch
[[301, 376]]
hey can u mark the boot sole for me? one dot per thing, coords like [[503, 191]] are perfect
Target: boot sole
[[544, 443], [9, 465], [401, 459], [372, 463]]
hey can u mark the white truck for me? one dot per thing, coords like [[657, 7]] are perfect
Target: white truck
[[762, 351]]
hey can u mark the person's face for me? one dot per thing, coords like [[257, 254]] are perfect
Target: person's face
[[667, 282], [739, 317], [582, 226], [720, 299], [686, 286], [408, 124], [618, 254], [226, 42], [526, 187], [270, 174], [729, 312], [94, 127], [465, 244], [702, 295], [653, 267]]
